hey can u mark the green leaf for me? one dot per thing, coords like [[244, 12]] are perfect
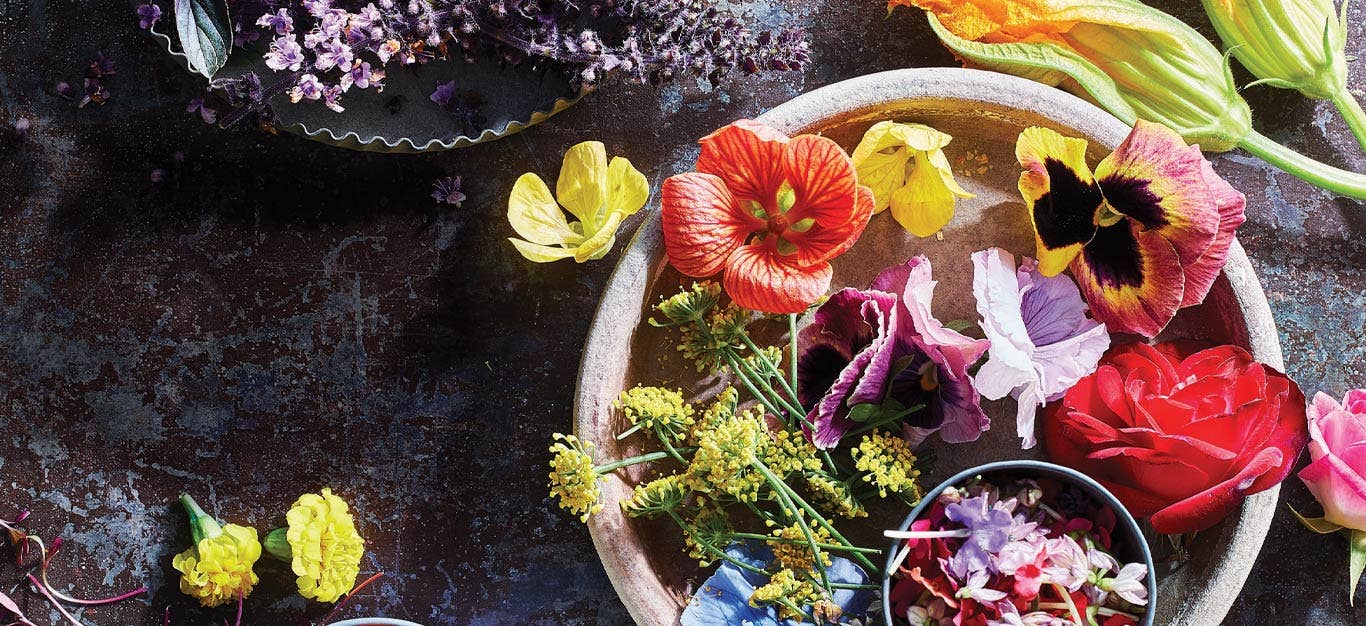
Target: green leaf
[[205, 34], [1356, 565], [1316, 524], [1043, 62], [863, 412]]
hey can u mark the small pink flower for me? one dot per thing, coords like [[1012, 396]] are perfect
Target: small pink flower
[[1337, 447]]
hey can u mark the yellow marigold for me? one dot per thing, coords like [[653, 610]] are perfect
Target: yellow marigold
[[218, 568], [889, 463], [573, 477], [324, 549]]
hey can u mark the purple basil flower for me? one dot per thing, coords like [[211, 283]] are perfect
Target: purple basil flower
[[443, 94], [332, 98], [285, 54], [361, 76], [157, 175], [333, 53], [280, 21], [148, 14], [990, 528], [870, 348], [208, 114], [447, 190], [317, 8], [308, 88], [21, 127], [101, 67]]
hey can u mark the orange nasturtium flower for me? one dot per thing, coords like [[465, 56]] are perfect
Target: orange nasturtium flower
[[1145, 235], [769, 211]]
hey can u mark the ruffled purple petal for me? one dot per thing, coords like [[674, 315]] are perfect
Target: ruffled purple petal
[[849, 332]]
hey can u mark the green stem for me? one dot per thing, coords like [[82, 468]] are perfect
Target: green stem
[[630, 431], [854, 586], [779, 487], [1351, 112], [1338, 181], [791, 399], [823, 546], [792, 342], [793, 607], [673, 452], [644, 458], [714, 551], [751, 378], [735, 366], [872, 570]]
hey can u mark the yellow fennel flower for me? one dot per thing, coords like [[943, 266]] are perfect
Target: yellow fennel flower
[[321, 545], [217, 569], [574, 477], [889, 463], [599, 193]]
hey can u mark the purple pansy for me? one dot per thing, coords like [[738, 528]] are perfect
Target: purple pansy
[[883, 348], [148, 14], [1042, 341]]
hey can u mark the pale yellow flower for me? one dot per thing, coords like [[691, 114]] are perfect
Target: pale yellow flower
[[217, 569], [599, 193], [905, 166], [321, 544]]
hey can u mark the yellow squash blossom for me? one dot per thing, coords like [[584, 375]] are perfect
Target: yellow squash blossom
[[1134, 61], [321, 545], [599, 193], [905, 166], [218, 568]]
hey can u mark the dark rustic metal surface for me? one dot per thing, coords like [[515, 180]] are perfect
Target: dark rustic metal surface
[[277, 316]]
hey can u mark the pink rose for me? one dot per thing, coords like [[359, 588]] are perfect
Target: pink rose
[[1337, 446]]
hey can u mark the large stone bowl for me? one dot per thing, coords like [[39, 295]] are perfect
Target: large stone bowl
[[984, 112]]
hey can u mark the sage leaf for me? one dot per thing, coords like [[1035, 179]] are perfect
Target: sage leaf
[[205, 34], [1356, 565]]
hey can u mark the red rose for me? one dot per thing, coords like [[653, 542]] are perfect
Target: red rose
[[1181, 438]]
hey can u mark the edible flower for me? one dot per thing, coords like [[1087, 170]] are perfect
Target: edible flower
[[878, 356], [732, 595], [1336, 474], [1181, 436], [599, 193], [1136, 62], [573, 477], [1042, 341], [905, 166], [321, 545], [768, 211], [1292, 44], [1146, 235], [217, 569]]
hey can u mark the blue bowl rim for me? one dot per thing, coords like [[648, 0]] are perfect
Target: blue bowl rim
[[1121, 513]]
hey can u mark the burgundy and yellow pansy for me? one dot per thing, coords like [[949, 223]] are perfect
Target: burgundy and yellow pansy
[[767, 210], [1145, 235]]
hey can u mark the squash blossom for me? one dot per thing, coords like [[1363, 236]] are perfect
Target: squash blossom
[[321, 545], [905, 166], [599, 193], [1134, 61], [218, 568], [1292, 44]]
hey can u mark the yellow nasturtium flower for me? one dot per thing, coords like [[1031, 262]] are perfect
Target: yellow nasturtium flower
[[905, 166], [217, 569], [321, 545], [599, 193]]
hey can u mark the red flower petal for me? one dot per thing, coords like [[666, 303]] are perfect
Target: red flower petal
[[1131, 278], [823, 242], [758, 278], [748, 156], [823, 177], [1205, 509], [702, 223]]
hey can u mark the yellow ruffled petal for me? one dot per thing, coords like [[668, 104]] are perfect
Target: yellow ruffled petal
[[1060, 193], [537, 253], [535, 216], [582, 187], [880, 162], [218, 570], [925, 203], [921, 138], [326, 548], [627, 189]]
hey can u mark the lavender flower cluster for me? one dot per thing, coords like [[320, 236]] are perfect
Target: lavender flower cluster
[[327, 47]]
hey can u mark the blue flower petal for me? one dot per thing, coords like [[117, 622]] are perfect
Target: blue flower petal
[[724, 598]]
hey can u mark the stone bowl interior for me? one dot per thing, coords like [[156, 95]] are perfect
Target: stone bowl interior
[[984, 112]]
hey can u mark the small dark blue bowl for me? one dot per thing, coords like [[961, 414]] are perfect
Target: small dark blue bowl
[[1126, 529]]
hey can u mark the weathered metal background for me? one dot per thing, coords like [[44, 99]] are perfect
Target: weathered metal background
[[277, 316]]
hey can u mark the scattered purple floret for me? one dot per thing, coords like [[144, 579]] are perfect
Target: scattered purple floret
[[148, 14], [206, 113], [447, 191]]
